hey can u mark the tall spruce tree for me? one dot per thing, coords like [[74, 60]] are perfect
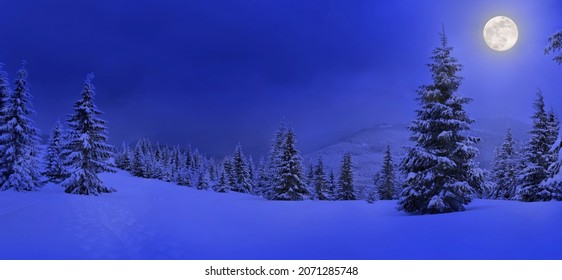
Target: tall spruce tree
[[243, 183], [124, 159], [55, 170], [387, 178], [5, 93], [553, 123], [89, 151], [221, 185], [202, 180], [332, 186], [262, 179], [346, 190], [19, 139], [320, 181], [504, 169], [274, 161], [537, 158], [289, 185], [229, 173], [554, 181], [442, 174]]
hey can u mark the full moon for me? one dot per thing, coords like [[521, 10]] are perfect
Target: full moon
[[500, 33]]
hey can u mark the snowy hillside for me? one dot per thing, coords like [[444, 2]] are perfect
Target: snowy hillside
[[367, 146], [150, 219]]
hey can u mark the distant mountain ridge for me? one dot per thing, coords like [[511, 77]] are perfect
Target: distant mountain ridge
[[367, 145]]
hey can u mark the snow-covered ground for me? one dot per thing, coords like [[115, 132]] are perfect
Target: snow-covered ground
[[149, 219]]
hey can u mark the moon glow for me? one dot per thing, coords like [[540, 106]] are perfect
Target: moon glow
[[500, 33]]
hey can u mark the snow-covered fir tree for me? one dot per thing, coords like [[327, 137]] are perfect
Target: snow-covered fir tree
[[387, 178], [229, 172], [346, 190], [537, 158], [320, 181], [185, 176], [143, 159], [554, 180], [274, 161], [89, 150], [5, 93], [55, 170], [504, 169], [289, 185], [442, 175], [19, 139], [553, 124], [196, 159], [309, 180], [372, 192], [262, 178], [240, 171], [251, 171], [555, 46], [168, 172], [124, 159], [212, 173], [332, 186], [202, 180], [221, 185]]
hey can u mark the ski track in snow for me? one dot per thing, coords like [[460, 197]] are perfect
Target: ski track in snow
[[19, 205]]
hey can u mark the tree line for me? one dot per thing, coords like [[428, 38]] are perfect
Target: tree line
[[280, 176]]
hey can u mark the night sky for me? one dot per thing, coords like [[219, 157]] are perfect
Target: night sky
[[214, 73]]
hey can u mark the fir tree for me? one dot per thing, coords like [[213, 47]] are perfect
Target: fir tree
[[289, 186], [55, 170], [5, 93], [19, 139], [505, 169], [221, 186], [185, 176], [373, 194], [320, 181], [442, 174], [554, 181], [387, 182], [89, 151], [189, 164], [309, 181], [124, 158], [229, 173], [346, 189], [555, 171], [240, 171], [274, 162], [212, 173], [537, 158], [138, 161], [262, 179], [143, 159], [251, 170], [202, 183], [553, 127], [332, 186]]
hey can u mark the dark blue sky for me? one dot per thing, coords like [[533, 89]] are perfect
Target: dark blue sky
[[214, 73]]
